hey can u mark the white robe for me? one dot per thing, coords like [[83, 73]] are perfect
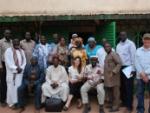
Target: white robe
[[12, 85], [58, 74]]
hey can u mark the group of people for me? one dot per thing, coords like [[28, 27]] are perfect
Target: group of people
[[66, 71]]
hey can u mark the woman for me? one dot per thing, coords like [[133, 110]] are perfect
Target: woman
[[75, 82], [62, 51], [79, 51]]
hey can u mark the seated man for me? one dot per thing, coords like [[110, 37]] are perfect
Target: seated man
[[93, 74], [32, 80], [56, 84]]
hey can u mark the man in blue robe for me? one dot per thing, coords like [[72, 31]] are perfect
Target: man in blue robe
[[32, 80]]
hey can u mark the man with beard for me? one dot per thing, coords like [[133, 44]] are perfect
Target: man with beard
[[15, 63], [27, 45]]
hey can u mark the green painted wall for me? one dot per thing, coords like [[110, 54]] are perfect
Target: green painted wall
[[108, 31]]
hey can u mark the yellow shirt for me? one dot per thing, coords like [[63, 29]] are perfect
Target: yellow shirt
[[80, 53]]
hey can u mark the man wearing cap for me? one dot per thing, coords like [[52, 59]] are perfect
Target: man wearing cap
[[142, 65], [93, 74], [126, 50], [33, 77]]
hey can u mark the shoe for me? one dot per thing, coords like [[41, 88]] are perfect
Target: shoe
[[20, 110], [122, 105], [128, 111], [37, 111], [86, 109], [4, 104], [108, 106], [65, 108], [13, 107], [113, 110], [101, 109]]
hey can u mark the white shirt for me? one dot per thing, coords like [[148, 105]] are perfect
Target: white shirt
[[9, 60], [73, 72], [57, 74], [126, 51], [101, 53], [142, 61]]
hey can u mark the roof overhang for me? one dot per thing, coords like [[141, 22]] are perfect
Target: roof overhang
[[18, 10]]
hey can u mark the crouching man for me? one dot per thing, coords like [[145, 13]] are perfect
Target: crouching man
[[93, 74], [32, 80]]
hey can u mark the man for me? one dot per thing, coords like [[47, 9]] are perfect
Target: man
[[27, 45], [93, 74], [15, 63], [112, 77], [5, 43], [104, 41], [56, 84], [42, 52], [54, 45], [142, 65], [126, 50], [33, 77]]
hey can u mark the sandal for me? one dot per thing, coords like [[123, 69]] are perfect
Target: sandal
[[79, 104]]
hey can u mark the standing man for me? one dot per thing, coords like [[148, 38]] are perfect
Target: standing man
[[142, 65], [54, 45], [4, 44], [15, 63], [42, 51], [27, 45], [126, 50], [112, 77], [93, 74]]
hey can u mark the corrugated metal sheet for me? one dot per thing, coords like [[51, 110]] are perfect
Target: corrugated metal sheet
[[72, 7]]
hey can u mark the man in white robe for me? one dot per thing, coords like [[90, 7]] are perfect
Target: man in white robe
[[56, 84], [15, 63]]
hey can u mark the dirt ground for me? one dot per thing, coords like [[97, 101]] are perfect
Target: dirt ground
[[73, 109]]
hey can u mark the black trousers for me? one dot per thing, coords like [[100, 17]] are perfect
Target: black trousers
[[3, 85], [75, 89], [126, 90]]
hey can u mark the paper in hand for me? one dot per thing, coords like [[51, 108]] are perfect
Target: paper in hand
[[127, 71]]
